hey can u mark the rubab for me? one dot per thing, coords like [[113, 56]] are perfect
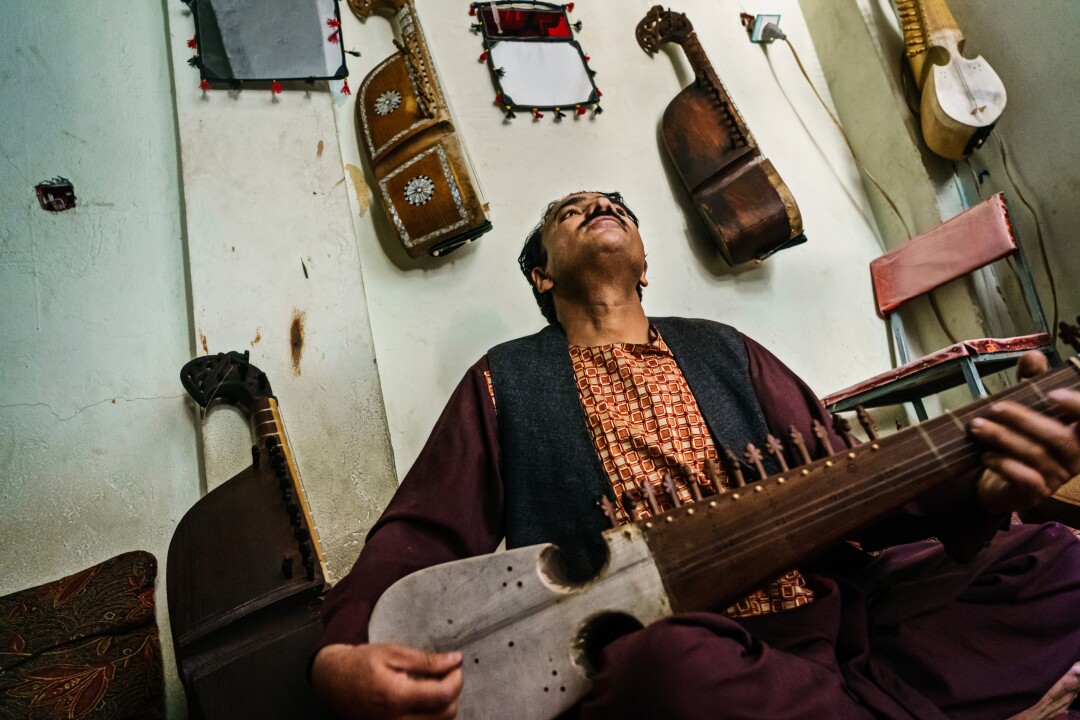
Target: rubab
[[406, 128], [531, 639], [961, 98], [747, 208]]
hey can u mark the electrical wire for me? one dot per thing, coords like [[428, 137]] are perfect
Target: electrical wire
[[907, 230], [1038, 236]]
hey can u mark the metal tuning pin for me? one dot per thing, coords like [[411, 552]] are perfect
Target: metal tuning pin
[[776, 449], [255, 456], [822, 434], [843, 428], [800, 446], [608, 508], [671, 486], [868, 425], [714, 475], [754, 457], [899, 425], [734, 469], [1070, 333], [645, 488], [692, 482]]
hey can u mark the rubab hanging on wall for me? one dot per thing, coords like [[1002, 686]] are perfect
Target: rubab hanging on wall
[[747, 208], [425, 181], [962, 99]]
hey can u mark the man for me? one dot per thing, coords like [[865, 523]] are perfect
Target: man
[[605, 397]]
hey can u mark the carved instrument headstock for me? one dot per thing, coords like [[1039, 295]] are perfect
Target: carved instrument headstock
[[660, 26], [226, 376]]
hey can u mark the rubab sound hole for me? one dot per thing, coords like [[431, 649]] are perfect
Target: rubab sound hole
[[596, 634]]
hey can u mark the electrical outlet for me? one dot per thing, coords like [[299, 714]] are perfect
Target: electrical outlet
[[758, 33]]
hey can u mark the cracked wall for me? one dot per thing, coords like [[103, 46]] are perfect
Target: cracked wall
[[97, 445]]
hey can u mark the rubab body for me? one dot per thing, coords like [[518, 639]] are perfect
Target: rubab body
[[245, 570], [531, 639], [424, 177], [961, 99], [747, 208]]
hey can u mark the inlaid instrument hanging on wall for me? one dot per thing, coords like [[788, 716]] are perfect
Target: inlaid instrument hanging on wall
[[749, 211], [424, 177], [245, 570], [531, 639], [961, 98]]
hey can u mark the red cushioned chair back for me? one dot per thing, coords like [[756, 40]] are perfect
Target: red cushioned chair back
[[974, 238]]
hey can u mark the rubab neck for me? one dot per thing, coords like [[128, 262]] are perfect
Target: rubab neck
[[711, 553], [927, 24]]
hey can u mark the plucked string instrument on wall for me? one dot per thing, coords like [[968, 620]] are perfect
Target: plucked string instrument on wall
[[421, 167], [245, 569], [747, 208], [961, 98], [531, 639]]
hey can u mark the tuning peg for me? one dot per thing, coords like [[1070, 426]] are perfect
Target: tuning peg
[[271, 442], [630, 504], [608, 508], [843, 428], [301, 534], [734, 469], [671, 486], [899, 425], [715, 476], [692, 482], [822, 434], [255, 456], [867, 422], [1070, 333], [287, 567], [305, 549], [753, 456], [800, 445], [645, 489], [776, 449]]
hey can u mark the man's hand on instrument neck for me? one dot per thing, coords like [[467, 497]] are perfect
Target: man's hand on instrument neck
[[1030, 454], [382, 681]]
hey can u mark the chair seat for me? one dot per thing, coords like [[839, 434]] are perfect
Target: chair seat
[[936, 372]]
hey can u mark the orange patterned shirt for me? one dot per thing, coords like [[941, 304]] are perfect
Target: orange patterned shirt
[[645, 422]]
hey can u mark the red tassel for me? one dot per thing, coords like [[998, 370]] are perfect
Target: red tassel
[[587, 58], [598, 93], [204, 85], [275, 87], [483, 56], [537, 114], [472, 11], [580, 110], [345, 88], [193, 43], [570, 7], [498, 98], [333, 22], [335, 37]]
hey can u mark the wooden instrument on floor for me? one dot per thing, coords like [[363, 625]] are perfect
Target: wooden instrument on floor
[[749, 211], [531, 639], [424, 177], [245, 571], [962, 99]]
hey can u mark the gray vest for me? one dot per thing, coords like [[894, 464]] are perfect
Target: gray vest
[[553, 478]]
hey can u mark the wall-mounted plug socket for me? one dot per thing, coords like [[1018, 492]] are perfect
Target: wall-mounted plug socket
[[765, 29]]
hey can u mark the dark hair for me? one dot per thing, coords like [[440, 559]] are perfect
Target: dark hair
[[534, 255]]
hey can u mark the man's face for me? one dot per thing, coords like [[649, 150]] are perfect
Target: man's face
[[588, 230]]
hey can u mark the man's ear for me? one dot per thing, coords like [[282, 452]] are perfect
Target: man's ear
[[541, 281], [643, 280]]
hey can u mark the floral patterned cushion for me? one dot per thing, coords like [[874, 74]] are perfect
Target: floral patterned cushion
[[84, 646]]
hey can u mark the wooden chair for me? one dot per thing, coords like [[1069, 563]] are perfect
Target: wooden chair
[[971, 240]]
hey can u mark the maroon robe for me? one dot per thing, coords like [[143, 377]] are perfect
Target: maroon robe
[[853, 652]]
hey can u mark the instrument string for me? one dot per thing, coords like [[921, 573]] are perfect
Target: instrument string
[[957, 448]]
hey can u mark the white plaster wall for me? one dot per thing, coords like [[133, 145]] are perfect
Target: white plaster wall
[[270, 239], [431, 319], [97, 444]]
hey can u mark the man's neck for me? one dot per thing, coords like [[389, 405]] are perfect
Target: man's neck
[[603, 323]]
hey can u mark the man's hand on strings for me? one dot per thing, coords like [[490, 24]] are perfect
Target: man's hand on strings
[[1029, 454], [382, 681]]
